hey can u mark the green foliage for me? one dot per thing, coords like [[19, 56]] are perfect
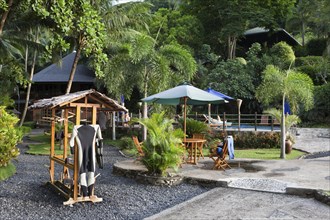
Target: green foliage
[[173, 27], [282, 55], [256, 63], [320, 112], [224, 21], [126, 143], [3, 4], [42, 145], [317, 67], [139, 63], [25, 129], [194, 127], [290, 120], [231, 78], [163, 145], [277, 83], [266, 154], [7, 171], [44, 149], [60, 126], [9, 137], [11, 74], [78, 19], [254, 140], [316, 47]]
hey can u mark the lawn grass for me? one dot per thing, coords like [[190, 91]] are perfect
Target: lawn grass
[[266, 154], [43, 147], [7, 171], [261, 154], [42, 138]]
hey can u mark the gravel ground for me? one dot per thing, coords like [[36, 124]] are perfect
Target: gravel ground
[[25, 196]]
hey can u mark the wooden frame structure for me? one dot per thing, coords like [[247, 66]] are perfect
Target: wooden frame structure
[[88, 100]]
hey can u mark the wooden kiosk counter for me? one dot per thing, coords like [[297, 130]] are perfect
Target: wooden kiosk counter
[[84, 106]]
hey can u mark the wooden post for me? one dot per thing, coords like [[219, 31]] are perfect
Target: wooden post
[[52, 147], [94, 113], [255, 121], [113, 125], [65, 142], [76, 165], [224, 121]]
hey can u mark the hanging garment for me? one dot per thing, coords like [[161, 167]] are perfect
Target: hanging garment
[[230, 146], [86, 137]]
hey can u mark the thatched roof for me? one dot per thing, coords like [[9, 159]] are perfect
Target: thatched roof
[[92, 96]]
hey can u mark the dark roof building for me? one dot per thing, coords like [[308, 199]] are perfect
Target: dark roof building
[[266, 37], [53, 80], [56, 73]]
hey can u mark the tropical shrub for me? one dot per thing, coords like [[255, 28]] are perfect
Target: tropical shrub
[[290, 120], [126, 143], [9, 137], [162, 148], [194, 127]]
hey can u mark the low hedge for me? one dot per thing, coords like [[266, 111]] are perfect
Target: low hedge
[[254, 139]]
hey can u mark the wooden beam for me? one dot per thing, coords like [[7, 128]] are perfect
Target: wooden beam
[[88, 105], [62, 162]]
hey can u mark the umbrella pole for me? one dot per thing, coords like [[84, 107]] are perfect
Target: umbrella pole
[[185, 118], [209, 113]]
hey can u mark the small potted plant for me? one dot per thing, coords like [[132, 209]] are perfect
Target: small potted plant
[[163, 146]]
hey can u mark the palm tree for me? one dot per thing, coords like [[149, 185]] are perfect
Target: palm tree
[[289, 85], [139, 63], [31, 53]]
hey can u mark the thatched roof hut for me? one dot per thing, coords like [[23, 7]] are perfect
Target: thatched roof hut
[[86, 97]]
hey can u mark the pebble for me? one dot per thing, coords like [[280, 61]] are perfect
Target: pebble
[[24, 195]]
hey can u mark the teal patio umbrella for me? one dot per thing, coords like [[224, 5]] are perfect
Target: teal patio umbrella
[[184, 94]]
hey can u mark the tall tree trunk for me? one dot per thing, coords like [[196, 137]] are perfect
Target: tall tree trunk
[[303, 33], [5, 15], [283, 132], [229, 53], [27, 98], [73, 69], [231, 47]]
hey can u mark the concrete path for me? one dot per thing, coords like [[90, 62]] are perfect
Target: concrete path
[[313, 140], [273, 186], [223, 203]]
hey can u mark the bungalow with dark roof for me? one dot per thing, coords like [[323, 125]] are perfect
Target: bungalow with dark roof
[[266, 37], [53, 80]]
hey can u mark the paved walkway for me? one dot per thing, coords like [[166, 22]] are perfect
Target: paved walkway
[[273, 184]]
